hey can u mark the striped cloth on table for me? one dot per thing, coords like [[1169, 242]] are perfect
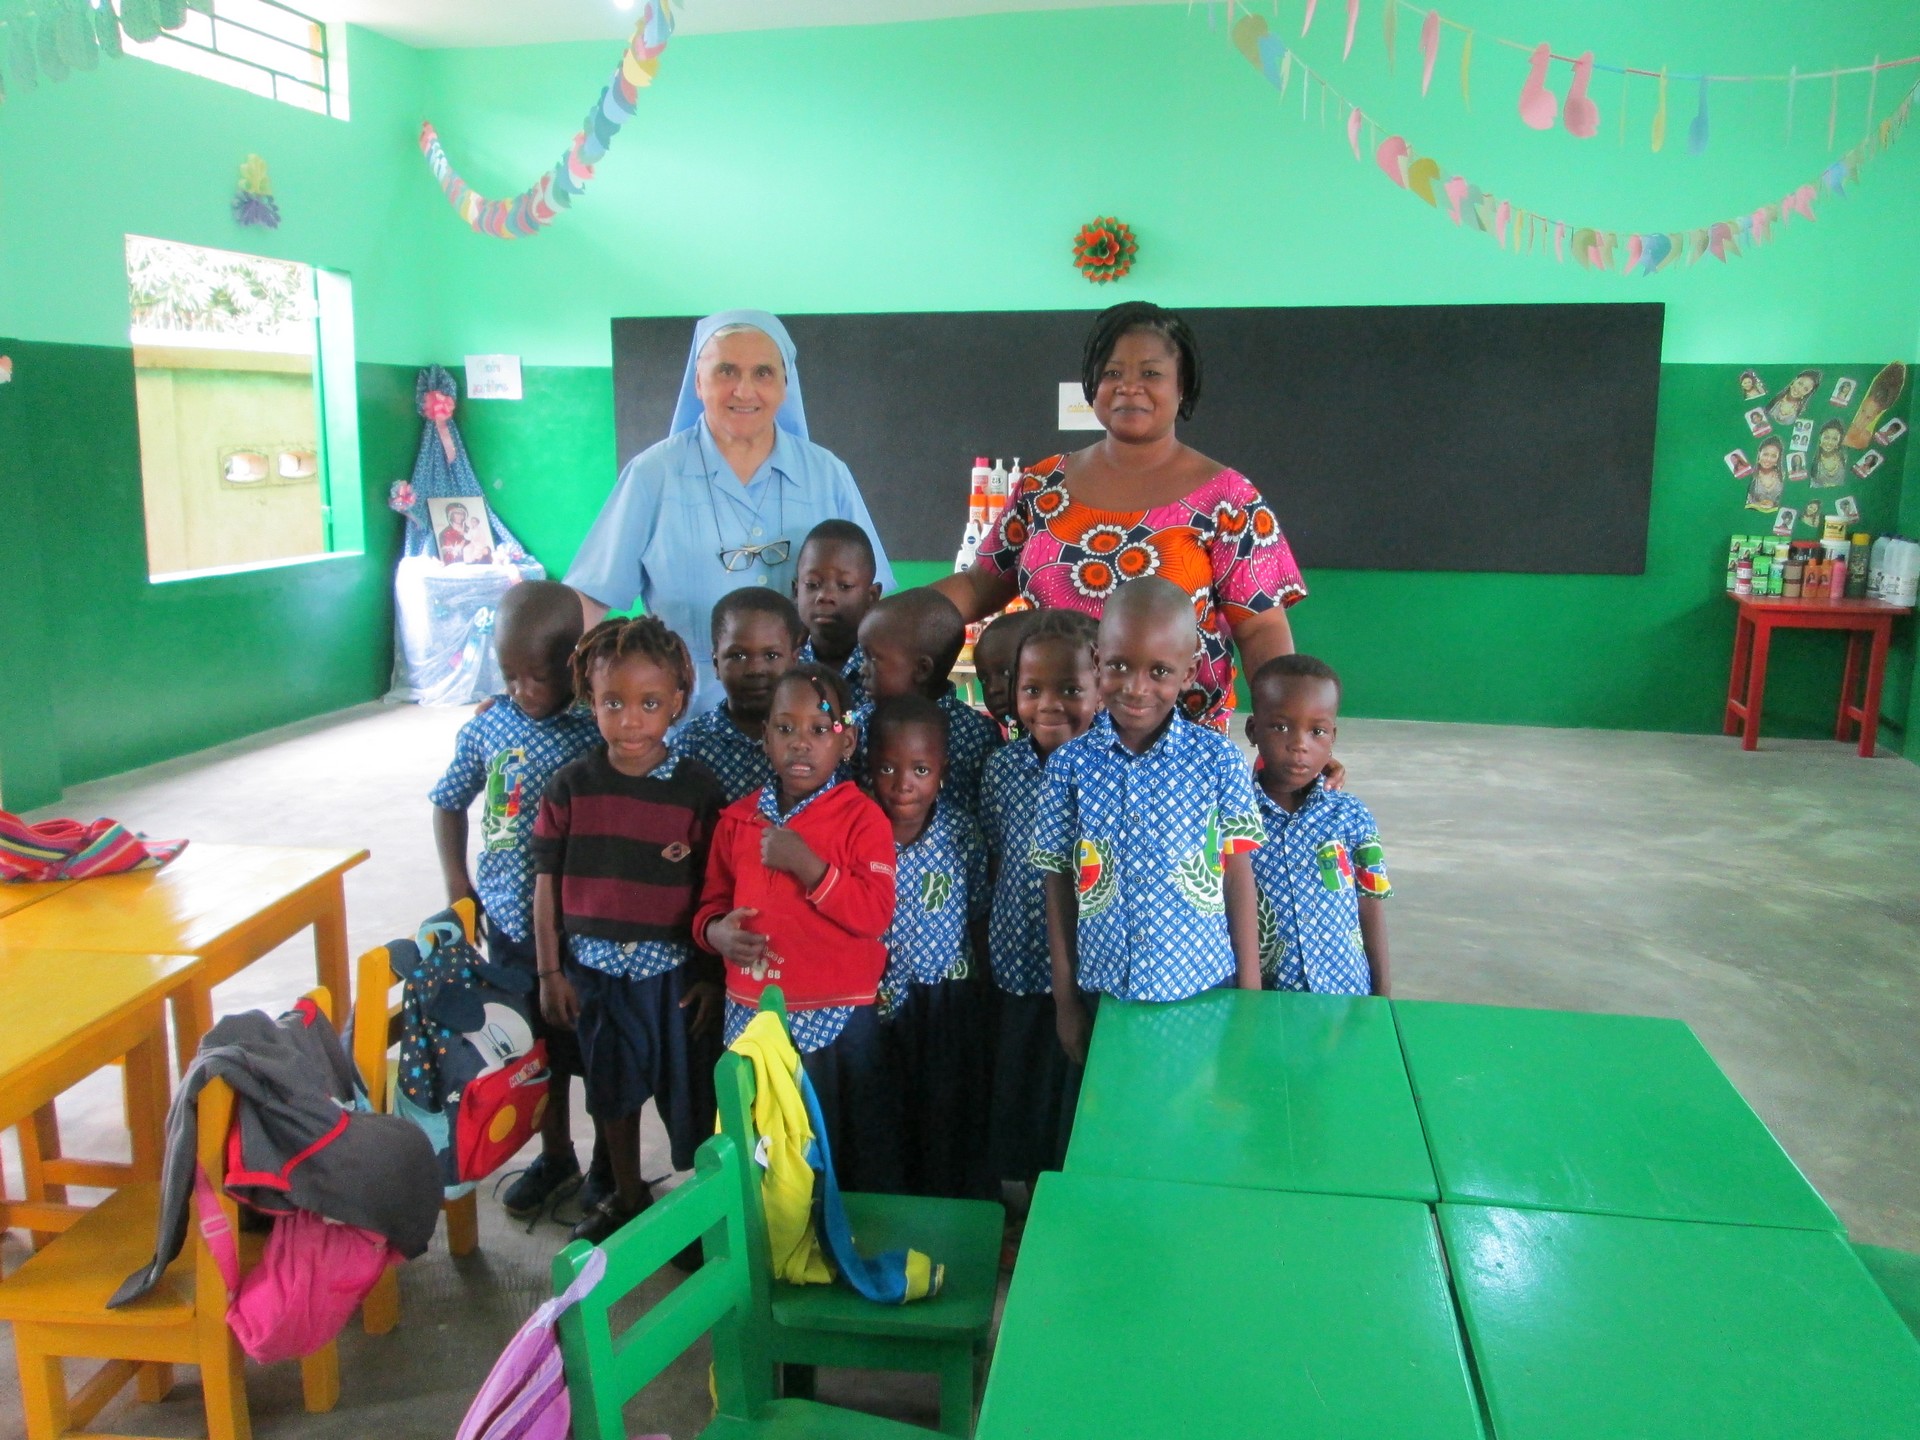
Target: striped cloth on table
[[69, 850]]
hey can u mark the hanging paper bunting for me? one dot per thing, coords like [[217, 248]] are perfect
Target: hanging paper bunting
[[1697, 132], [1580, 115], [1537, 105], [540, 203], [1535, 96], [1593, 248], [1660, 116]]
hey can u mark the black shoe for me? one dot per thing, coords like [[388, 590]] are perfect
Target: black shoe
[[605, 1219], [596, 1187], [547, 1179]]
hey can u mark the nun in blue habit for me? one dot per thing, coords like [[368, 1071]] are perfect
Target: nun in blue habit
[[726, 499]]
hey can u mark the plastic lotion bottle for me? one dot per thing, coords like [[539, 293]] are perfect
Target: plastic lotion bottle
[[1877, 567], [1857, 569], [1839, 564]]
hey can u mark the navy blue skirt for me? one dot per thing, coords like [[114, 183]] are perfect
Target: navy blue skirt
[[563, 1049], [1029, 1090], [859, 1093], [634, 1039], [943, 1038]]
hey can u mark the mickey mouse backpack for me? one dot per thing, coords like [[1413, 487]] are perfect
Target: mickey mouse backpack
[[471, 1073]]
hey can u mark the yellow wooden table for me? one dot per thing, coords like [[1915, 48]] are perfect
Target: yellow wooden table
[[68, 1014], [224, 905], [15, 896]]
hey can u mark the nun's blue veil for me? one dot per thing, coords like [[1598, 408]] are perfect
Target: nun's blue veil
[[793, 415]]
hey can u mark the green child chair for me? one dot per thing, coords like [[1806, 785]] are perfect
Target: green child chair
[[833, 1325], [1897, 1272], [604, 1371]]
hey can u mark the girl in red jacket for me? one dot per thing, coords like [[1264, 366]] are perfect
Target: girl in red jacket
[[798, 892]]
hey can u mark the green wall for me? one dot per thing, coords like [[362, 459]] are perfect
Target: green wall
[[106, 671], [946, 165]]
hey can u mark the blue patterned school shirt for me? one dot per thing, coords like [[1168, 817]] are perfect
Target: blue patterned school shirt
[[1144, 837], [509, 758], [1317, 863], [811, 1029], [971, 737], [851, 669], [940, 889], [1017, 929], [738, 761]]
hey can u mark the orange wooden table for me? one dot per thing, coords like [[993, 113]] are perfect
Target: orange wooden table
[[1869, 624], [68, 1014], [225, 905]]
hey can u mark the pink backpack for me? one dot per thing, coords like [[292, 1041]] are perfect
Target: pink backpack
[[525, 1394], [311, 1278]]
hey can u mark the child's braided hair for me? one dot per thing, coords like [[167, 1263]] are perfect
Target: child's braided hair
[[1078, 630], [830, 688], [614, 640]]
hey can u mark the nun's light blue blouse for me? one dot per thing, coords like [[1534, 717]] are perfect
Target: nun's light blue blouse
[[677, 505]]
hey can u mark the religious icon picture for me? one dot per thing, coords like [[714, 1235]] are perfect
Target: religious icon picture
[[1848, 509], [1738, 463], [1868, 463], [460, 530], [1890, 432], [1796, 465], [1802, 435], [1843, 389], [1757, 421]]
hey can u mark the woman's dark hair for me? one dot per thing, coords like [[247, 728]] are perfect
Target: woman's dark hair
[[829, 686], [612, 641], [1134, 315]]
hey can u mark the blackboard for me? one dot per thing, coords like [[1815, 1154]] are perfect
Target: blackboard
[[1418, 437]]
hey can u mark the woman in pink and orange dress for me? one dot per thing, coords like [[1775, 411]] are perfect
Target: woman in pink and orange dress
[[1139, 502]]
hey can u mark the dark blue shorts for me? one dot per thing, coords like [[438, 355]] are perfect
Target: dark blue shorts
[[1029, 1089], [942, 1038], [859, 1093], [563, 1051], [634, 1039]]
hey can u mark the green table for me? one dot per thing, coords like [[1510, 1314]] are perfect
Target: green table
[[1601, 1327], [1248, 1088], [1608, 1114], [1147, 1308]]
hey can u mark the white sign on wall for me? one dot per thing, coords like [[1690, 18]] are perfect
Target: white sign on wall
[[1076, 411], [493, 377]]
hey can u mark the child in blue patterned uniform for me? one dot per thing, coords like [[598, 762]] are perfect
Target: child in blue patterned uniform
[[508, 752], [936, 1005], [993, 656], [911, 640], [1144, 828], [755, 635], [834, 586], [1054, 700], [1321, 873]]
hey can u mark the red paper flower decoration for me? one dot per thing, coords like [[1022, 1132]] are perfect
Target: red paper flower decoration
[[1104, 249]]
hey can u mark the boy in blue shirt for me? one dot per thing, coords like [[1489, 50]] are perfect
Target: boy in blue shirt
[[910, 641], [1144, 828], [756, 633], [834, 586], [1322, 873], [509, 751], [934, 1001]]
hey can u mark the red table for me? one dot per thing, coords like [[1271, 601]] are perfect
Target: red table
[[1761, 615]]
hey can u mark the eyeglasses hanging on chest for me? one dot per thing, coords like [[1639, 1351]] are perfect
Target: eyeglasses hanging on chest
[[737, 558]]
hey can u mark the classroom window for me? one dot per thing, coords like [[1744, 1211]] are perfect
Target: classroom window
[[263, 46], [243, 375]]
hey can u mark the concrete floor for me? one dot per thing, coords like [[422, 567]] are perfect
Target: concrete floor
[[1767, 899]]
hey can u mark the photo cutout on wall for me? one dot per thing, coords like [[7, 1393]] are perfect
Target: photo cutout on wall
[[1783, 521], [1738, 463], [1868, 463], [1769, 482], [1890, 432], [1791, 402], [1848, 509], [1881, 394], [1752, 387], [1796, 465], [1802, 435], [1829, 460], [1843, 389], [461, 533], [1757, 422]]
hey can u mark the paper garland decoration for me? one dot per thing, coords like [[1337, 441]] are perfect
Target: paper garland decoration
[[253, 202], [1472, 208], [1104, 249], [536, 207], [1537, 104], [53, 38]]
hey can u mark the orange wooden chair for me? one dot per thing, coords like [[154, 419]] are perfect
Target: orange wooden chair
[[57, 1303]]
